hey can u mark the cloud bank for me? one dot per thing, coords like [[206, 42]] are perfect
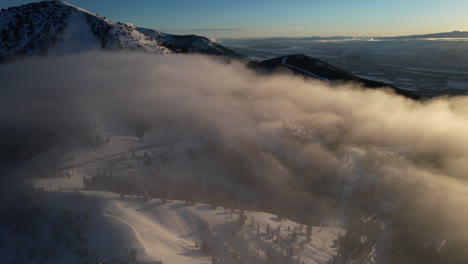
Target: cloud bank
[[303, 137]]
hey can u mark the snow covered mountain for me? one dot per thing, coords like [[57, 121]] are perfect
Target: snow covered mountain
[[56, 27]]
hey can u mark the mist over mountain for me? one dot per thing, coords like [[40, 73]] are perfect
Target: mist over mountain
[[276, 142], [123, 144], [33, 29]]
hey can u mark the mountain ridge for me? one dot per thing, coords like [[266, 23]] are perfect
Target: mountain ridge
[[306, 66]]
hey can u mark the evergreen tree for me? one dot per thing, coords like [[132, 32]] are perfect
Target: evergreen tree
[[294, 235], [309, 233], [242, 219]]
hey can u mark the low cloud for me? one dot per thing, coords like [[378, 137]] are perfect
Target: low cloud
[[302, 134]]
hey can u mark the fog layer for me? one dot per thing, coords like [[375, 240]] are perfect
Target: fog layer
[[308, 132]]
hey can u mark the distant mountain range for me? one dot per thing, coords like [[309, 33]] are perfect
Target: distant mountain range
[[443, 35], [56, 27], [453, 34]]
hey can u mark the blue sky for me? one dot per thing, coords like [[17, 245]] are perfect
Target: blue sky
[[262, 18]]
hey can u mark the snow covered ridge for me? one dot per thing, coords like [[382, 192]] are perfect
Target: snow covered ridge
[[56, 27], [192, 44]]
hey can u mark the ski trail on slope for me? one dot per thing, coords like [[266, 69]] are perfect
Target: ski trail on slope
[[283, 62], [77, 36], [158, 242]]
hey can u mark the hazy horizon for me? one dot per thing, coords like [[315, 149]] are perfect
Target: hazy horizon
[[283, 19]]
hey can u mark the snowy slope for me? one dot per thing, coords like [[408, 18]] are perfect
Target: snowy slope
[[174, 232], [118, 36], [77, 36], [154, 228]]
